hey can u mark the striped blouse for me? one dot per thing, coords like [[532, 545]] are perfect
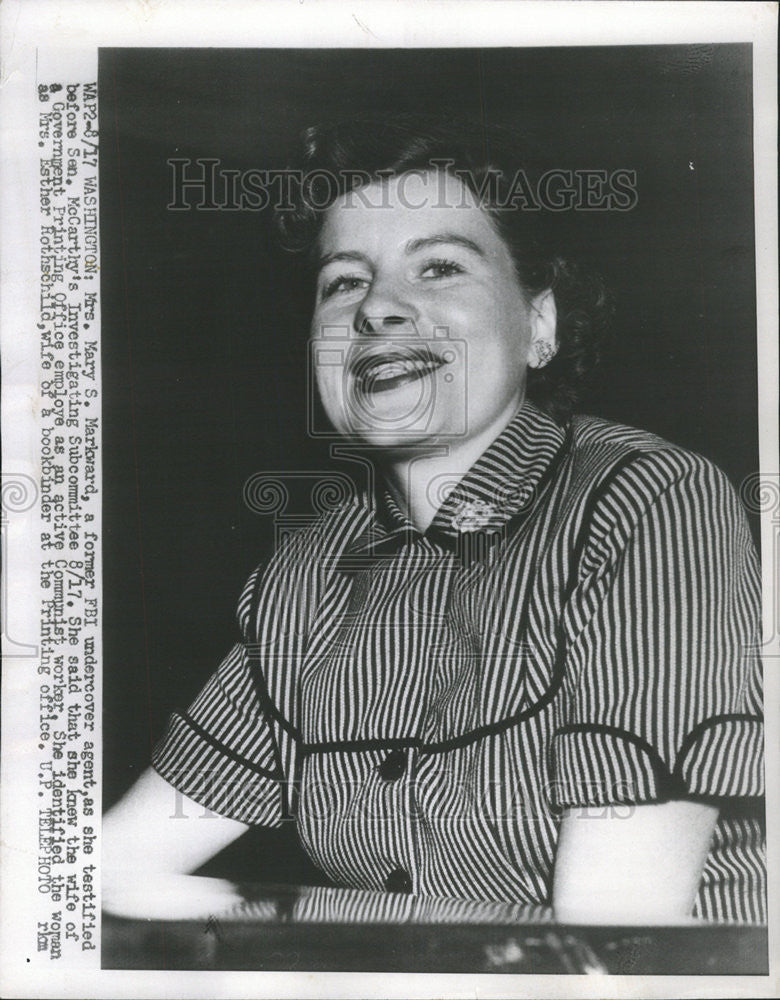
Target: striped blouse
[[577, 628]]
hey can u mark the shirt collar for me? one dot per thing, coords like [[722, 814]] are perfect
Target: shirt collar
[[500, 485]]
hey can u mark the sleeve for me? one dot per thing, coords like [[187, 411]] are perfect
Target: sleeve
[[662, 683], [222, 751]]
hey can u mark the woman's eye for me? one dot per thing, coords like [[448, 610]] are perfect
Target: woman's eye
[[343, 283], [441, 269]]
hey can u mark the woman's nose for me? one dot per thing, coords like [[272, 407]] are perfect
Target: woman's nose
[[385, 311], [372, 326]]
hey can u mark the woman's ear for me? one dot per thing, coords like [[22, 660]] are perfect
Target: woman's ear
[[544, 339]]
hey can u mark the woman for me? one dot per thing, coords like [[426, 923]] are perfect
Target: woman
[[530, 621]]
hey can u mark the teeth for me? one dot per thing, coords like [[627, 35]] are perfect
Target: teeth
[[392, 369]]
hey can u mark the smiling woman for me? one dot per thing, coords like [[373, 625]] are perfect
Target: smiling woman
[[444, 168], [435, 277], [532, 618]]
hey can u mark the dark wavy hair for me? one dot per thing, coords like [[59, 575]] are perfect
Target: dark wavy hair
[[333, 159]]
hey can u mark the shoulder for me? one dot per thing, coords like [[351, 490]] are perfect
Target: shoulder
[[617, 455], [302, 548], [627, 475]]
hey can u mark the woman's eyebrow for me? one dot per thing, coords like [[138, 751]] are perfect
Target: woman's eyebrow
[[439, 238], [352, 255]]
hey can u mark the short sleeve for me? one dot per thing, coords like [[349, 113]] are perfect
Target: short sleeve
[[221, 751], [661, 697]]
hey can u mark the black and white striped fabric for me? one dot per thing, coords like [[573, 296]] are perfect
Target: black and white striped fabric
[[326, 905], [576, 629]]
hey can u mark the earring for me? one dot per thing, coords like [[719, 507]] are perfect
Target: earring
[[545, 352]]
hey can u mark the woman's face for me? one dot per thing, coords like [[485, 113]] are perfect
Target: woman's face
[[421, 331]]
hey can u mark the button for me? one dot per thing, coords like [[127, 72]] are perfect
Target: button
[[393, 766], [398, 881]]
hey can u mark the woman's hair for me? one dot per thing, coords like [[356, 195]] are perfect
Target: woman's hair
[[494, 163]]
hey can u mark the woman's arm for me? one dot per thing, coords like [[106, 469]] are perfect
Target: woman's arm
[[631, 864], [151, 838]]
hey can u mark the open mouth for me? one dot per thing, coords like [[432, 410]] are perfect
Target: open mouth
[[383, 372]]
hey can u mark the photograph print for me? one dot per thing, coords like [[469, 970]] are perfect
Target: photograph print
[[430, 454]]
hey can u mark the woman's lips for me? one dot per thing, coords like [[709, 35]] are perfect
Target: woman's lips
[[390, 370]]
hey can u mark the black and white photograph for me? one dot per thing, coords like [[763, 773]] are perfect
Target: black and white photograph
[[403, 588], [497, 647]]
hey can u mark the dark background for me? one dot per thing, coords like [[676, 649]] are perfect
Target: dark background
[[204, 363]]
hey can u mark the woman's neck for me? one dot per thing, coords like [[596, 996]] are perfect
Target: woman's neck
[[421, 481]]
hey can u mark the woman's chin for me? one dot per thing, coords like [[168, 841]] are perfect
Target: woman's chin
[[396, 442]]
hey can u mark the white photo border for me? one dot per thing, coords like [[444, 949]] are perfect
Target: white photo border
[[74, 30]]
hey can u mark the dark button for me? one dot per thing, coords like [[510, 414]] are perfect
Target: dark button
[[398, 881], [393, 766]]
